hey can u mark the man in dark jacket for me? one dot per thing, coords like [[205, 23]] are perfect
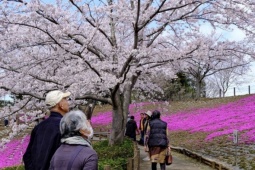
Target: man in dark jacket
[[45, 137], [131, 128]]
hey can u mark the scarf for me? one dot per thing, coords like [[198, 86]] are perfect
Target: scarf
[[76, 140]]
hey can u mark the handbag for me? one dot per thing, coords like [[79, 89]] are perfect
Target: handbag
[[168, 158]]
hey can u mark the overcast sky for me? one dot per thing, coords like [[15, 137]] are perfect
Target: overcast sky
[[235, 35]]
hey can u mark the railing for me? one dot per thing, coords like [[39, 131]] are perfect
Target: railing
[[98, 136], [200, 158]]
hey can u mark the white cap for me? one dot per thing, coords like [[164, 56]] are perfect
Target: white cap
[[148, 113], [54, 97]]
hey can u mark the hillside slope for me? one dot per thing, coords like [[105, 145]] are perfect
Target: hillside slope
[[204, 126]]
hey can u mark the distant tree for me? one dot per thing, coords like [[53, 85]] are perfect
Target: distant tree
[[179, 87], [214, 55], [224, 79]]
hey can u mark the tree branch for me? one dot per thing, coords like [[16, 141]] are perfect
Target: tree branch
[[92, 24], [95, 97], [22, 107]]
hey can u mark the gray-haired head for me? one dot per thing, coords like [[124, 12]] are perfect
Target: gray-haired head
[[72, 123]]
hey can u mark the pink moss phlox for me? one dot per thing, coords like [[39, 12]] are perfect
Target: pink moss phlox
[[217, 121], [12, 154]]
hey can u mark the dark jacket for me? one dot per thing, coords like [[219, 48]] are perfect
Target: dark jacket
[[131, 129], [44, 141], [157, 136], [85, 160]]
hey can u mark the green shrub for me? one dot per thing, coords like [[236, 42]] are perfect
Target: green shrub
[[115, 156]]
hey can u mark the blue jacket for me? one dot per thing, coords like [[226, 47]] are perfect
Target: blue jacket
[[44, 141]]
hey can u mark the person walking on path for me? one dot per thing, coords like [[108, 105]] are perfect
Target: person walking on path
[[131, 128], [157, 141], [45, 137], [141, 128], [145, 125], [75, 152]]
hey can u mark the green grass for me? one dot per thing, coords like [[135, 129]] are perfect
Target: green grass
[[20, 167]]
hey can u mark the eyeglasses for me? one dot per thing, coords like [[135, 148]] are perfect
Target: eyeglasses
[[67, 98]]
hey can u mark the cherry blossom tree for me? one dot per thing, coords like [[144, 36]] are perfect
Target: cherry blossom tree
[[223, 79], [101, 49], [214, 54]]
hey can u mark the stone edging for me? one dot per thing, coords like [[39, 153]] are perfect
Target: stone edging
[[207, 161]]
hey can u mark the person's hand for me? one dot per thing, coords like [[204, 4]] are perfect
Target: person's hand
[[146, 148], [169, 149]]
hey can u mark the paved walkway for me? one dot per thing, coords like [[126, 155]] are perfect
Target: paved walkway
[[180, 162]]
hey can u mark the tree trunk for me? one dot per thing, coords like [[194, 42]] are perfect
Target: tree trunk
[[198, 88], [119, 115], [88, 108]]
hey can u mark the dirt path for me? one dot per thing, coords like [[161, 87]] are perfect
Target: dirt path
[[180, 162]]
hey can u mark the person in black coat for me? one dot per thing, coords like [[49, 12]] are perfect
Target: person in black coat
[[45, 137], [131, 128], [157, 140]]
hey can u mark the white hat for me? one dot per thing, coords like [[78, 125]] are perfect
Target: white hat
[[54, 97], [148, 113]]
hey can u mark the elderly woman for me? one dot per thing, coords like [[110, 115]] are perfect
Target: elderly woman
[[75, 152]]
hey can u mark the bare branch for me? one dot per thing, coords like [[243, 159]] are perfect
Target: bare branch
[[152, 16], [22, 93], [92, 24], [95, 97], [22, 107]]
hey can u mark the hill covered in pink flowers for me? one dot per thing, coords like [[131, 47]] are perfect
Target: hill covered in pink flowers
[[215, 122]]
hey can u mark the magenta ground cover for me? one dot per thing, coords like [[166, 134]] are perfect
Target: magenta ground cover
[[217, 121], [11, 154], [105, 118]]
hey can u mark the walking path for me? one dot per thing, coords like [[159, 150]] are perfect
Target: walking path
[[180, 162]]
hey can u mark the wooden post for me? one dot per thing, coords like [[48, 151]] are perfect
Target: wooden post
[[234, 91], [107, 167], [213, 165], [200, 158], [136, 147], [220, 167], [130, 163], [100, 134], [249, 89], [137, 160]]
